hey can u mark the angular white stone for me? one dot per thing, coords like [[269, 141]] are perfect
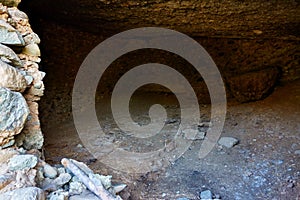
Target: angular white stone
[[228, 141], [29, 193], [11, 78], [9, 35]]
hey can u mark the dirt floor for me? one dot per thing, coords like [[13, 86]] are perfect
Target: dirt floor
[[265, 164]]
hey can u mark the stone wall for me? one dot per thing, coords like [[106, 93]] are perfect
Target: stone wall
[[21, 84]]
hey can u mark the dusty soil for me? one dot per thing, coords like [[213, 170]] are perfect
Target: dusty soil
[[263, 165]]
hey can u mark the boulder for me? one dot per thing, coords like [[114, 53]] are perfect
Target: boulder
[[13, 114]]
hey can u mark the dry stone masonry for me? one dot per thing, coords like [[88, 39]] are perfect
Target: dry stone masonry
[[23, 173], [21, 84]]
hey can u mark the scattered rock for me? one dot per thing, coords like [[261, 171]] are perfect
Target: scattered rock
[[182, 198], [76, 187], [200, 136], [13, 114], [228, 141], [192, 134], [49, 171], [62, 179], [58, 195], [297, 152], [118, 188], [20, 162], [85, 195], [206, 195], [29, 193]]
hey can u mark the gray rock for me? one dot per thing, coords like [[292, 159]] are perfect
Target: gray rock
[[200, 136], [297, 152], [29, 193], [86, 195], [99, 179], [8, 144], [17, 14], [190, 134], [49, 171], [29, 79], [228, 141], [62, 179], [12, 78], [10, 56], [9, 35], [206, 195], [13, 114], [20, 162], [76, 187], [32, 38], [82, 166], [58, 195], [30, 139], [118, 188], [61, 170]]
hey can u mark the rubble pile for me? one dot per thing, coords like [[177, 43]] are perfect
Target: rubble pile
[[24, 175]]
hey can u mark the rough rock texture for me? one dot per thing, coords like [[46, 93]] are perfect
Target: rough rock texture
[[29, 193], [12, 78], [228, 141], [244, 39], [9, 56], [9, 35], [13, 114], [19, 72], [20, 162], [253, 86], [206, 18]]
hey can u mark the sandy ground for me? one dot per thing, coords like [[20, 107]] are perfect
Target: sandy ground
[[263, 165]]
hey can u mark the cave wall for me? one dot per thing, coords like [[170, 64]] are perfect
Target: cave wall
[[254, 44]]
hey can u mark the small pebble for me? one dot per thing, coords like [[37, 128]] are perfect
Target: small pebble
[[290, 185], [206, 194], [228, 141], [297, 152], [50, 171]]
